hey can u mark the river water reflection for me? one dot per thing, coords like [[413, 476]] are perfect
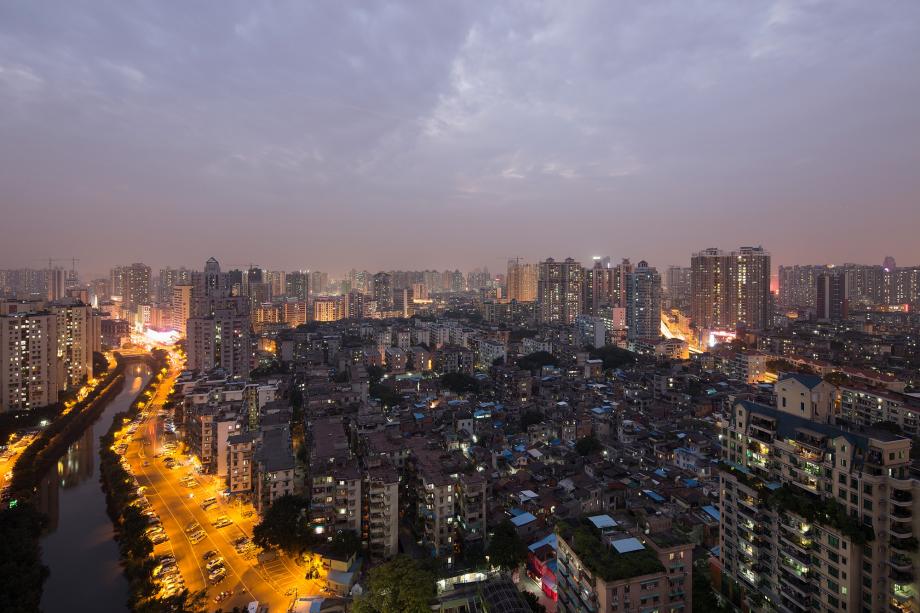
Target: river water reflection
[[79, 549]]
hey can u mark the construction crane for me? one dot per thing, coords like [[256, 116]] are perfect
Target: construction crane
[[73, 262]]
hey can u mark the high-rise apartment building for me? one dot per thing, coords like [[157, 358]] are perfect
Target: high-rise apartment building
[[132, 283], [831, 302], [181, 306], [797, 285], [815, 517], [74, 330], [55, 283], [169, 278], [330, 308], [29, 365], [559, 291], [297, 285], [382, 291], [643, 303], [319, 282], [219, 330], [522, 281], [677, 279], [731, 290]]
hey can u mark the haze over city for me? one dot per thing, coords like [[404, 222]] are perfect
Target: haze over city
[[416, 306], [387, 135]]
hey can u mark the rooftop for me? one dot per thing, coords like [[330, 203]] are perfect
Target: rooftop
[[605, 559]]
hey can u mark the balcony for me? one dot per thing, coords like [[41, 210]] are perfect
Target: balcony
[[901, 497], [900, 562], [902, 512], [901, 530], [901, 576]]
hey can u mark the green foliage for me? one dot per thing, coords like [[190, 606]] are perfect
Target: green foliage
[[588, 445], [613, 356], [401, 585], [459, 383], [537, 360], [284, 526], [837, 378], [825, 511], [506, 549], [530, 418], [374, 374], [345, 544], [604, 560], [385, 393], [20, 558], [704, 597], [533, 602]]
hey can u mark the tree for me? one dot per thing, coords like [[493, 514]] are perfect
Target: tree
[[374, 374], [588, 445], [345, 543], [534, 602], [837, 378], [537, 360], [284, 526], [780, 365], [506, 549], [401, 585], [20, 558], [387, 395], [529, 418], [459, 383], [612, 356]]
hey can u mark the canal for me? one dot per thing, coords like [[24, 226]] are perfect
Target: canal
[[79, 549]]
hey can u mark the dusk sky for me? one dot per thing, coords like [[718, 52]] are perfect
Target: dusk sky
[[378, 135]]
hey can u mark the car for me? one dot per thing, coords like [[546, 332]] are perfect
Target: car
[[215, 563], [210, 553], [223, 596], [214, 579], [197, 537], [158, 538], [193, 527]]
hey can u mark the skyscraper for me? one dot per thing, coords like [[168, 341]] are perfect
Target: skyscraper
[[382, 291], [181, 305], [831, 296], [678, 281], [643, 303], [297, 285], [132, 283], [219, 330], [730, 290], [29, 364], [522, 281], [55, 283], [559, 291], [797, 285]]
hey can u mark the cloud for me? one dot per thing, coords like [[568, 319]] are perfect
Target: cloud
[[418, 119]]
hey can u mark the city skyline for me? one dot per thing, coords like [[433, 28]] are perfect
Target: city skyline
[[317, 136]]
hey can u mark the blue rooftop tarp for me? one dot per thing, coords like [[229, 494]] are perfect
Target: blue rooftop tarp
[[653, 495], [602, 521], [712, 512], [523, 519], [550, 539], [628, 545]]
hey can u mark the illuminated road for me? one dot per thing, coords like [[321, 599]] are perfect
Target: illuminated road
[[273, 583]]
